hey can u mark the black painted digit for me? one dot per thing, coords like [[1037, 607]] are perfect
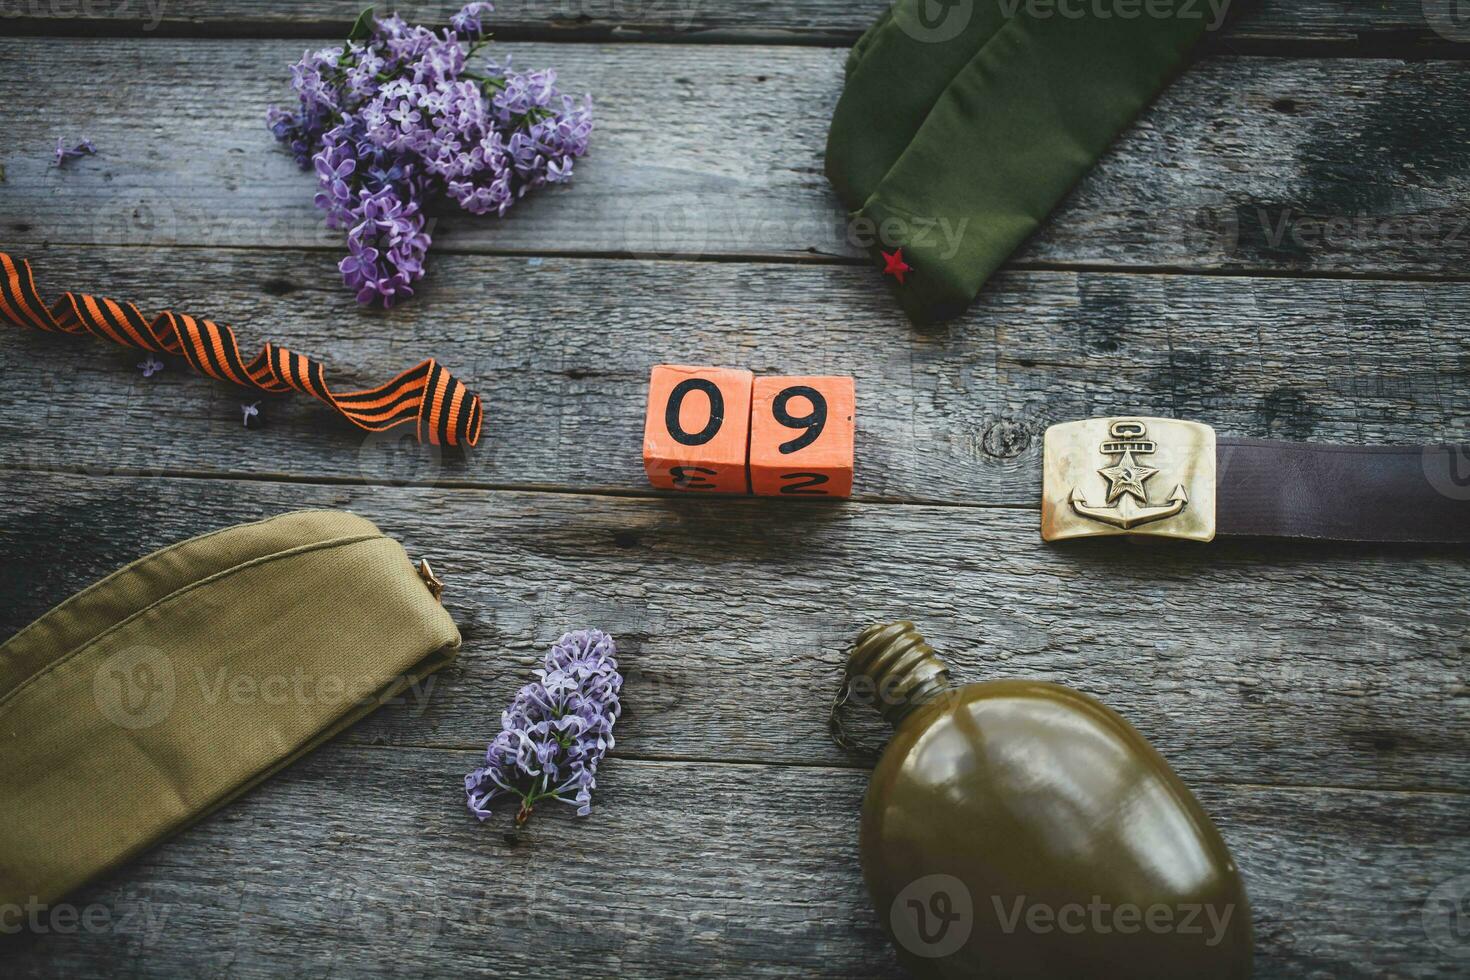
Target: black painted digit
[[813, 422], [800, 489], [687, 478], [716, 411]]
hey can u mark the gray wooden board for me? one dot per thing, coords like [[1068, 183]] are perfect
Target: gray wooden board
[[560, 350], [361, 860], [1243, 662], [1314, 696], [1403, 22], [716, 151]]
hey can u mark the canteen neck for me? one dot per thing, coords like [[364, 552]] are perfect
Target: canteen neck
[[900, 670]]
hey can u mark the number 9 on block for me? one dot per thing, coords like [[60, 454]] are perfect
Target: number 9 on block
[[696, 434], [801, 435]]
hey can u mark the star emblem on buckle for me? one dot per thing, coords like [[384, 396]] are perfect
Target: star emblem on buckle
[[1127, 476]]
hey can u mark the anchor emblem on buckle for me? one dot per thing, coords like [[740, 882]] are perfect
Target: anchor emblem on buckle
[[1126, 477], [1158, 478]]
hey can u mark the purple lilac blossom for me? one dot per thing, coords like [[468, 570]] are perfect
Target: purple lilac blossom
[[467, 23], [555, 732], [398, 120]]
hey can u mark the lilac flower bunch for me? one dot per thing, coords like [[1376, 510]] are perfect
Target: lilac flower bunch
[[555, 732], [396, 119]]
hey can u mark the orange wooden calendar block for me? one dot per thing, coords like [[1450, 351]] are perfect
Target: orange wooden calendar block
[[801, 435], [696, 434]]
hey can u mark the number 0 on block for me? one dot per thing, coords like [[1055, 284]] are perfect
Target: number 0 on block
[[801, 436], [697, 431]]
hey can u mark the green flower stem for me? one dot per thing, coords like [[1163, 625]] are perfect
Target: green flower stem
[[529, 799]]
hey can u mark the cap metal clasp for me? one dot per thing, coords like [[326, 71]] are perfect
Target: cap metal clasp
[[436, 587]]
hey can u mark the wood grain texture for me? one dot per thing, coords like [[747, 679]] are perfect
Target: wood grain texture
[[1404, 24], [561, 348], [681, 869], [1243, 662], [1314, 696], [1244, 164]]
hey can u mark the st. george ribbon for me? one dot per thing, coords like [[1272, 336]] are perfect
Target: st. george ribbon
[[443, 410]]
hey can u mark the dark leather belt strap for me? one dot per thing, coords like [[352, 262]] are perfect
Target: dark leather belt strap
[[1175, 478], [1410, 494]]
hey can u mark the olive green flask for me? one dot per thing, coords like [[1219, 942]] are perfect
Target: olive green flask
[[1023, 829]]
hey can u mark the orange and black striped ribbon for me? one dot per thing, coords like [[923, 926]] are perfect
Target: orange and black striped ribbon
[[443, 410]]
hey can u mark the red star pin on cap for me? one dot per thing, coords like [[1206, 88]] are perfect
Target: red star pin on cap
[[894, 265]]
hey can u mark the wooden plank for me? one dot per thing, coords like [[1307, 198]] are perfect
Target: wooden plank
[[716, 151], [1396, 22], [561, 349], [1243, 662], [361, 861]]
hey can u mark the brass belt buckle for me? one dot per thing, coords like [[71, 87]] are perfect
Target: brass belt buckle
[[1128, 475]]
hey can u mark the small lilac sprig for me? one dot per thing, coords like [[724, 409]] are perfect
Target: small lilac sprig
[[396, 120], [65, 153], [555, 732]]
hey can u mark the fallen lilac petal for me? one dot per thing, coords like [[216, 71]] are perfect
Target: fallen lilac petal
[[64, 153]]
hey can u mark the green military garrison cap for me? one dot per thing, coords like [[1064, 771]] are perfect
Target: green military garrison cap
[[964, 122]]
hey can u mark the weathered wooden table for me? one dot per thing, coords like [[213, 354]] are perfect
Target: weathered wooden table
[[1279, 248]]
